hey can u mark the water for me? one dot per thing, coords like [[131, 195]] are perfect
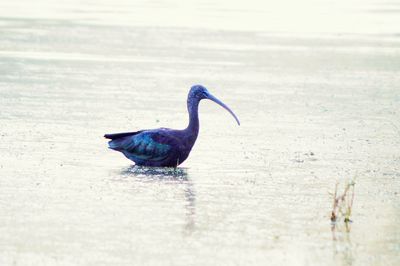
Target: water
[[316, 87]]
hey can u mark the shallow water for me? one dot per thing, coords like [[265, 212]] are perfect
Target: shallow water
[[316, 88]]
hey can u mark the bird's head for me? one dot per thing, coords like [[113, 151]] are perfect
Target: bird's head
[[199, 92]]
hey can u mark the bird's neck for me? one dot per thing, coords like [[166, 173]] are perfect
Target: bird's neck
[[193, 109]]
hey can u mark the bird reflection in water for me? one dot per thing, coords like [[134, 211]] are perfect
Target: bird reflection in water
[[165, 175]]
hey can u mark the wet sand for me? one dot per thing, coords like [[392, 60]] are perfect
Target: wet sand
[[318, 104]]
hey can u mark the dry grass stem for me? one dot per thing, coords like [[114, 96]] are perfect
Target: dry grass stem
[[343, 203]]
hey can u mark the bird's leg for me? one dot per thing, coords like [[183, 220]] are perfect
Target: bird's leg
[[177, 163]]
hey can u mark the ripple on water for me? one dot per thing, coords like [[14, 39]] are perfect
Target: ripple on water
[[156, 173]]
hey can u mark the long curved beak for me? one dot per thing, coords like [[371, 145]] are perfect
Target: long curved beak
[[214, 99]]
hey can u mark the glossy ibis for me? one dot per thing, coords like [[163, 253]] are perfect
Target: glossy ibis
[[165, 147]]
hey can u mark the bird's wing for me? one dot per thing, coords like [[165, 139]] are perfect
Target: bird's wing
[[147, 145]]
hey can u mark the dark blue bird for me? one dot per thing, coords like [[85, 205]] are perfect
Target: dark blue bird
[[165, 147]]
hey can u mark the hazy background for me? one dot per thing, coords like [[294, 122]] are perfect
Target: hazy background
[[314, 83]]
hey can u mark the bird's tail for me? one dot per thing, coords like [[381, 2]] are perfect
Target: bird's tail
[[120, 141], [120, 135], [115, 144]]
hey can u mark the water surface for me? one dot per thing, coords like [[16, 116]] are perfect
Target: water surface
[[316, 87]]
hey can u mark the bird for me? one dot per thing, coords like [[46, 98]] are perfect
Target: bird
[[165, 147]]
